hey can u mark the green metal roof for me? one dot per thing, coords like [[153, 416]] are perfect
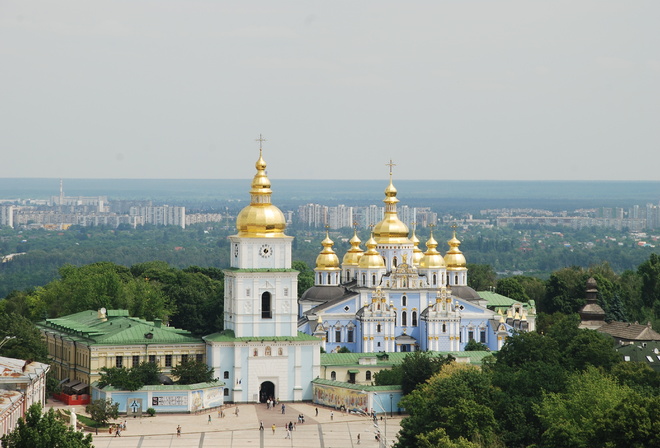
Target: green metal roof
[[228, 336], [166, 388], [259, 270], [495, 299], [118, 329], [353, 359]]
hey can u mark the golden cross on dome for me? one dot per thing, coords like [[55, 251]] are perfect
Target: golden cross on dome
[[260, 140], [391, 164]]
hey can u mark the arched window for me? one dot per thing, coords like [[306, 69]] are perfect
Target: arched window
[[414, 318], [378, 328], [404, 318], [266, 312], [333, 375], [394, 262], [455, 280], [404, 301], [444, 328], [267, 351], [395, 316], [320, 278], [373, 279], [435, 279], [364, 279], [368, 375]]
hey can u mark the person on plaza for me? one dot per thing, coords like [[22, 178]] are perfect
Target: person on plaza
[[261, 425], [209, 419], [288, 433], [283, 408], [236, 411], [317, 412], [332, 415], [178, 431], [273, 428], [358, 438]]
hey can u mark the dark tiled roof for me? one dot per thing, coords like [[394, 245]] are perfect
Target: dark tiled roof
[[631, 332]]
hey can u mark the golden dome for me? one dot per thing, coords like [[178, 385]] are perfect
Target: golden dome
[[353, 255], [391, 230], [327, 260], [417, 252], [371, 258], [432, 258], [261, 218], [454, 258]]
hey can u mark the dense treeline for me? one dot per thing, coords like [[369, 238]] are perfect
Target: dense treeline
[[566, 387]]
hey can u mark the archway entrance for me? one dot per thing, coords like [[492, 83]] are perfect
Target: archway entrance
[[266, 391]]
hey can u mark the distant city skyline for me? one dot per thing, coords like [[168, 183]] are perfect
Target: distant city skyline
[[508, 90]]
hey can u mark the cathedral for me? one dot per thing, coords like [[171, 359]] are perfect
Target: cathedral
[[394, 297], [390, 298]]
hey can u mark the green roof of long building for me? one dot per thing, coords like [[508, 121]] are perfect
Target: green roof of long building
[[117, 329], [391, 359], [228, 336]]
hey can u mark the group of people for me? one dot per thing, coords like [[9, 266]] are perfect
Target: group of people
[[118, 428], [271, 403]]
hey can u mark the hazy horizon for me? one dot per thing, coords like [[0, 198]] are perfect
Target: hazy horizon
[[472, 90]]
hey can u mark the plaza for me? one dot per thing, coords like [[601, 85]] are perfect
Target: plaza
[[330, 429]]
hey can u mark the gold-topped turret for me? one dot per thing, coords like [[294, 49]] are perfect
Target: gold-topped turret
[[432, 258], [454, 258], [260, 219], [371, 258], [391, 230], [327, 260], [417, 252], [353, 255]]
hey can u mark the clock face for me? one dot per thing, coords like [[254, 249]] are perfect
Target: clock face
[[265, 250]]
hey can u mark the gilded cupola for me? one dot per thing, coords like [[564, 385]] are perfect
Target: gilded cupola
[[417, 252], [260, 219], [454, 258], [372, 259], [432, 258], [327, 260], [353, 255], [391, 230]]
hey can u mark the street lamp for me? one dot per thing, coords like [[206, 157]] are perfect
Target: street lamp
[[391, 396], [382, 441], [6, 339]]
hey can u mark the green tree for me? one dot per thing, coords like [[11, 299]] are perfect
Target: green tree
[[474, 346], [27, 342], [482, 277], [119, 377], [192, 372], [305, 278], [565, 291], [102, 411], [420, 366], [39, 430], [147, 373], [649, 272], [438, 438], [389, 377], [511, 288]]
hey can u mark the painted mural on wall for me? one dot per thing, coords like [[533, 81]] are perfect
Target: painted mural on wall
[[207, 398], [339, 396]]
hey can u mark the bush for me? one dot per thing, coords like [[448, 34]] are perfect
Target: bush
[[151, 412]]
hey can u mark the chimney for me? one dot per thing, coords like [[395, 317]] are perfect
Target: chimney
[[102, 315], [158, 323]]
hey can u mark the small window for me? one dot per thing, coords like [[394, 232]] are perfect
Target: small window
[[444, 328], [368, 375], [404, 301], [225, 375], [482, 336], [649, 358], [378, 328], [199, 357], [373, 279], [266, 312], [268, 351], [395, 262], [470, 335], [225, 392], [337, 335], [435, 279], [414, 318], [152, 359], [136, 360], [119, 361], [350, 335], [626, 358], [333, 375], [168, 360], [184, 358], [404, 318]]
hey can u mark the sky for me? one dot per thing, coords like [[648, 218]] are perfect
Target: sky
[[447, 89]]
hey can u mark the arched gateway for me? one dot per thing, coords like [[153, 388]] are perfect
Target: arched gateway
[[266, 391]]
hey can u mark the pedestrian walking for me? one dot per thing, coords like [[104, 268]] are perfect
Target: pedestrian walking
[[358, 439], [261, 425], [236, 411], [332, 415], [317, 412], [209, 419], [273, 428], [178, 431], [283, 408]]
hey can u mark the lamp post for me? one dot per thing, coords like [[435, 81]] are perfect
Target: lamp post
[[391, 396], [383, 442], [6, 339]]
